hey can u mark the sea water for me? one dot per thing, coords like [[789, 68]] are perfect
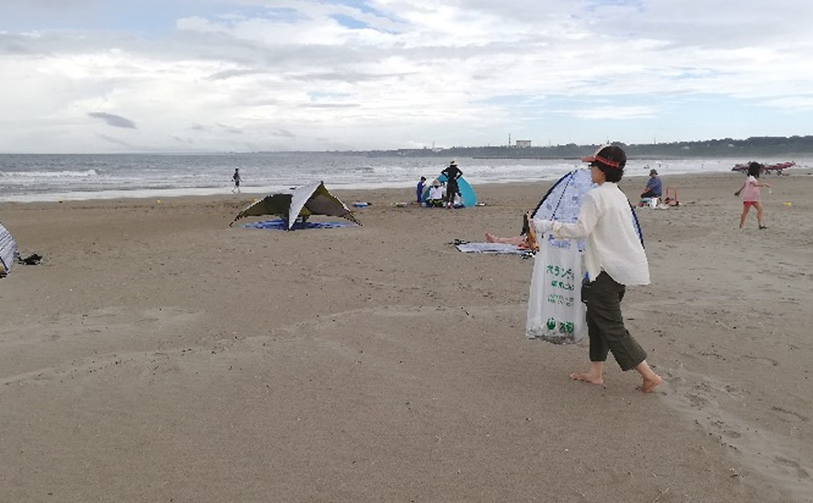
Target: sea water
[[46, 177]]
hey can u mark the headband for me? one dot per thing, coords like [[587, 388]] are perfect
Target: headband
[[605, 161]]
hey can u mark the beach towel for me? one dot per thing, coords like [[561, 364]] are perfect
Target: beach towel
[[282, 224], [492, 248]]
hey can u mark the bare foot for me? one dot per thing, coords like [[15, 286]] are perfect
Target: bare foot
[[587, 377], [650, 384], [490, 238]]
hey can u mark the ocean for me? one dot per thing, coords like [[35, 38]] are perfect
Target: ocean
[[46, 177]]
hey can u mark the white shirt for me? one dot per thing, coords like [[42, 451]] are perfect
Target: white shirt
[[612, 245], [436, 193]]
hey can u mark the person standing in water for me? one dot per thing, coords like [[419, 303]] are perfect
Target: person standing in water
[[614, 257], [236, 178]]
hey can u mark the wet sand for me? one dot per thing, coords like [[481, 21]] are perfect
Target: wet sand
[[156, 354]]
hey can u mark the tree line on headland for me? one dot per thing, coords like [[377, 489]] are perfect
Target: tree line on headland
[[754, 147]]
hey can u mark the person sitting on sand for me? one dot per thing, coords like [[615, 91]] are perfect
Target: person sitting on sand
[[458, 200], [614, 258], [653, 188], [435, 196]]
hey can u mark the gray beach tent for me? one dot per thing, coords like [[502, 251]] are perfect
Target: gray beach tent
[[311, 199], [8, 250]]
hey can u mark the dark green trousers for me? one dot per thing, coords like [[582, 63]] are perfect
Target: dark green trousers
[[605, 324]]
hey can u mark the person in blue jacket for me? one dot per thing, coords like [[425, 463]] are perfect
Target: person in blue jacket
[[653, 185], [419, 189]]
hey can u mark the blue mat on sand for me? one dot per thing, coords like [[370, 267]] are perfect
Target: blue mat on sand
[[281, 225]]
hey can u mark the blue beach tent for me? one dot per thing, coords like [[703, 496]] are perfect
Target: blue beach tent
[[467, 195]]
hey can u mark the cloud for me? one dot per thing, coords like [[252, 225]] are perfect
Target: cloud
[[115, 141], [331, 105], [229, 129], [113, 120], [380, 74], [281, 133], [228, 74], [613, 112]]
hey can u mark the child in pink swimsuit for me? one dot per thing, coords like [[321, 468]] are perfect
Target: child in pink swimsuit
[[750, 194]]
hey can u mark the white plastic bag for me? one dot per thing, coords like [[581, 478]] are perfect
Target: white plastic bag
[[555, 311]]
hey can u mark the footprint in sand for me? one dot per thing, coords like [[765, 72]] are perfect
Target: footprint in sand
[[791, 414], [696, 401], [712, 405], [800, 472], [763, 360]]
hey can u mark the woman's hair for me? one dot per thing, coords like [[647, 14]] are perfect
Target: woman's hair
[[754, 169], [611, 174], [616, 156]]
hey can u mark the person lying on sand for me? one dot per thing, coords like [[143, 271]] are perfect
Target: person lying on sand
[[518, 241], [526, 240]]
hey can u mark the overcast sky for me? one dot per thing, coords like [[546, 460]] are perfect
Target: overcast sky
[[247, 75]]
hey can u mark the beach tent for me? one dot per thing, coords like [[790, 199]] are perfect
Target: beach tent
[[468, 197], [8, 250], [563, 201], [311, 199]]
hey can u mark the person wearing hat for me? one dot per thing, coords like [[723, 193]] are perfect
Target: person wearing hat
[[614, 258], [452, 174], [435, 197], [653, 185]]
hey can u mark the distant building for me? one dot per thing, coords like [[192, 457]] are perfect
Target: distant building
[[523, 143]]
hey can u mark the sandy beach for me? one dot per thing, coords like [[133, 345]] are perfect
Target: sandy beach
[[157, 354]]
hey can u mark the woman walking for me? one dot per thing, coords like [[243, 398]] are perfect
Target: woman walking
[[614, 258]]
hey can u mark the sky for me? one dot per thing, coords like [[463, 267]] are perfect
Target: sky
[[99, 76]]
